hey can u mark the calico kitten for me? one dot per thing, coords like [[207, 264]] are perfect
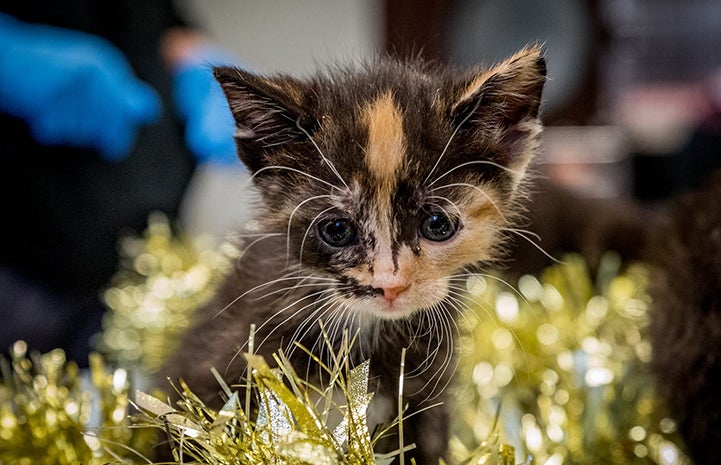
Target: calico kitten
[[382, 188]]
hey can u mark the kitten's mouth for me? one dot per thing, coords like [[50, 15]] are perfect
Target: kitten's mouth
[[393, 303], [385, 305], [393, 309], [396, 306], [396, 302]]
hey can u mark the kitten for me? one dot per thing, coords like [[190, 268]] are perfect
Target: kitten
[[383, 188], [680, 241], [685, 331]]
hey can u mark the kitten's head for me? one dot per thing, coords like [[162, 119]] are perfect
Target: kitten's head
[[392, 178]]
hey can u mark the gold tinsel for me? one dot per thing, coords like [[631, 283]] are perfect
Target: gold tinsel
[[293, 424], [565, 360], [556, 365], [289, 427], [162, 278], [52, 414], [48, 414]]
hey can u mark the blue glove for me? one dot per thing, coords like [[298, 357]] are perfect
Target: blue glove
[[72, 88], [200, 102]]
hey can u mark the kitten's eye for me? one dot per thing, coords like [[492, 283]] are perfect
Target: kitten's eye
[[438, 227], [337, 232]]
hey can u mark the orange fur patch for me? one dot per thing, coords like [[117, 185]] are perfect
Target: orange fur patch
[[386, 141]]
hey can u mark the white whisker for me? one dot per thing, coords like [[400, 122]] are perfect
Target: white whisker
[[287, 289], [282, 323], [440, 207], [286, 277], [477, 162], [255, 241], [524, 235], [307, 231], [303, 329], [515, 336], [482, 192], [325, 159], [292, 214], [450, 139], [278, 325], [294, 170]]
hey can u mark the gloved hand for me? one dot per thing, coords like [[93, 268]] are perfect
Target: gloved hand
[[72, 88], [209, 125]]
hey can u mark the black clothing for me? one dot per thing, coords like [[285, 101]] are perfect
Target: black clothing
[[64, 208]]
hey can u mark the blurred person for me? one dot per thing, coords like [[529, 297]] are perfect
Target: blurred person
[[700, 154], [106, 108]]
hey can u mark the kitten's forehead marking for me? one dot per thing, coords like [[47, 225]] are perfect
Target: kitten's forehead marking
[[384, 154], [386, 141]]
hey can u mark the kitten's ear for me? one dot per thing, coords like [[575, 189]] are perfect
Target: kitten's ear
[[504, 102], [267, 112]]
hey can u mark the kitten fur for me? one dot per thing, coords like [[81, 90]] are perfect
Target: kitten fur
[[685, 254], [382, 188], [680, 241]]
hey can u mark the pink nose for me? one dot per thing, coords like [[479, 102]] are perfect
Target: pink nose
[[390, 293]]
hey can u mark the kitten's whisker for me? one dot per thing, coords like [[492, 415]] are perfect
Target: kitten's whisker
[[463, 292], [303, 331], [459, 293], [312, 295], [334, 288], [449, 359], [420, 330], [333, 328], [460, 306], [325, 159], [527, 232], [450, 139], [255, 241], [442, 323], [427, 319], [294, 314], [515, 173], [307, 231], [510, 286], [258, 345], [295, 170], [285, 277], [244, 235], [317, 301], [310, 324], [290, 220], [441, 207], [481, 191], [286, 289], [310, 319], [522, 234], [511, 330]]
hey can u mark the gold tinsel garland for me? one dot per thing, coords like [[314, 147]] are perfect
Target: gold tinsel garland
[[52, 414], [555, 365], [567, 361], [162, 278]]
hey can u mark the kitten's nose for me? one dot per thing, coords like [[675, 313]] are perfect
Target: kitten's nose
[[390, 293]]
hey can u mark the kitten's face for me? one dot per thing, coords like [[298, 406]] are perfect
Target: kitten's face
[[391, 180]]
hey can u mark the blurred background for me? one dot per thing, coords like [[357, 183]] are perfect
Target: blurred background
[[632, 108], [633, 94]]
